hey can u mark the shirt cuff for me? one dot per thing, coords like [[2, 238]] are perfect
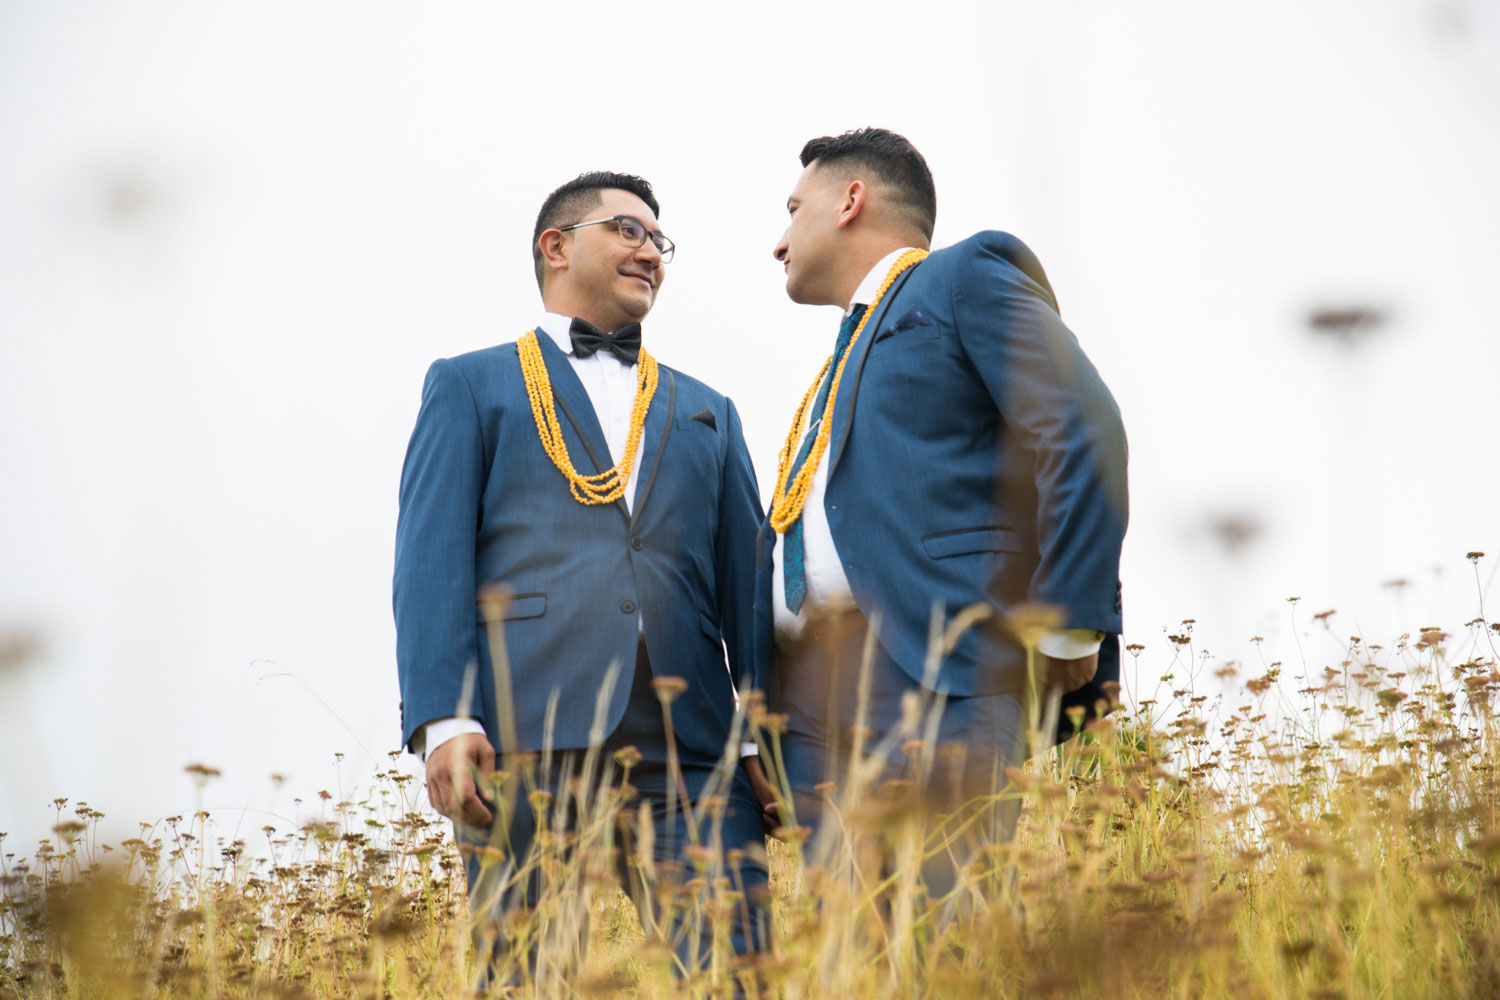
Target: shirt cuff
[[439, 731], [748, 749], [1070, 643]]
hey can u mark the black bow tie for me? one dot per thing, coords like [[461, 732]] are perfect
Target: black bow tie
[[624, 343]]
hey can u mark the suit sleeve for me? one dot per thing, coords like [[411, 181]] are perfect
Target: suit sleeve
[[436, 531], [735, 559], [1052, 400]]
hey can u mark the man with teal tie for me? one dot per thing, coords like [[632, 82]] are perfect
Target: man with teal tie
[[957, 450]]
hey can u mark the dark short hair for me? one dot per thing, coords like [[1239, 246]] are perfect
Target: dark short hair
[[890, 159], [569, 203]]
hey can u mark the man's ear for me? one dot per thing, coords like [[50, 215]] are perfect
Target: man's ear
[[554, 249], [852, 202]]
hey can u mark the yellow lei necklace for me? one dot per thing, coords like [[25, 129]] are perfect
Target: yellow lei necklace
[[787, 501], [609, 485]]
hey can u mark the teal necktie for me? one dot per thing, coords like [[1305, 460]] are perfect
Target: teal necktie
[[793, 554]]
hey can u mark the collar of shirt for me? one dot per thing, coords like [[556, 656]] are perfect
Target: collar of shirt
[[556, 326], [867, 288]]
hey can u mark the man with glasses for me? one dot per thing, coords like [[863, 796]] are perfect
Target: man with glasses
[[613, 499]]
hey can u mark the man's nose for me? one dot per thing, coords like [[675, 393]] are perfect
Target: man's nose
[[781, 248], [648, 253]]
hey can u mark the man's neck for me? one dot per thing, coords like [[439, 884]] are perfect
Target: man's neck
[[601, 319], [865, 258]]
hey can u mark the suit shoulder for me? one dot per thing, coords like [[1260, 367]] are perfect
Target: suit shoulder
[[486, 357], [957, 260], [986, 243], [481, 370], [690, 389], [982, 252]]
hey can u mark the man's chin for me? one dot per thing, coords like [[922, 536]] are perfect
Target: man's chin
[[798, 294], [635, 307]]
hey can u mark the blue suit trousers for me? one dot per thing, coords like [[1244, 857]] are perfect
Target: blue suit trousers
[[816, 684], [741, 828]]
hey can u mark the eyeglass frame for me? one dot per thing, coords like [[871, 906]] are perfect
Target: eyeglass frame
[[666, 252]]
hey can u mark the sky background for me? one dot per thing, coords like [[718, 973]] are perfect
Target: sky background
[[232, 238]]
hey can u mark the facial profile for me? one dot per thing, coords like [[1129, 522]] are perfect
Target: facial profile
[[861, 194], [808, 248]]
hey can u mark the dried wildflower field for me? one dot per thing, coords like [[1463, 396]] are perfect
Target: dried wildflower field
[[1330, 829]]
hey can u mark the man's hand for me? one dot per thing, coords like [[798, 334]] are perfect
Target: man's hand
[[1070, 675], [770, 808], [450, 778]]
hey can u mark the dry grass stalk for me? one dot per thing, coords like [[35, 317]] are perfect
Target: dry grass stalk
[[1341, 841]]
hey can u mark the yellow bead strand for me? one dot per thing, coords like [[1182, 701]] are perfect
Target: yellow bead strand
[[609, 485], [787, 500]]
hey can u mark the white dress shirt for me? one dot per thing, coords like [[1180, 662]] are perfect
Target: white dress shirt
[[828, 588]]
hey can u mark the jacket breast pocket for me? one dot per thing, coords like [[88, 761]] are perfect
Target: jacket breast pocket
[[521, 606], [694, 446], [908, 328], [991, 538], [692, 425]]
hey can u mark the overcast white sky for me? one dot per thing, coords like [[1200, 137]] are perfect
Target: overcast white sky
[[231, 240]]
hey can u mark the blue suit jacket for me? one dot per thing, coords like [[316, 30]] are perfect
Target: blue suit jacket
[[975, 456], [481, 503]]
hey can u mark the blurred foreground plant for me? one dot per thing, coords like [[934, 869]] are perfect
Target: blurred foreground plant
[[1342, 839]]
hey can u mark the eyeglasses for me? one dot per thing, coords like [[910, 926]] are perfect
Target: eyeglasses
[[633, 231]]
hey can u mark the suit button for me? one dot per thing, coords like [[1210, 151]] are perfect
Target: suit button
[[627, 606], [637, 544]]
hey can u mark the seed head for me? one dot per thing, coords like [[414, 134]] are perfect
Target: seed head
[[202, 772], [627, 757], [493, 600], [668, 688]]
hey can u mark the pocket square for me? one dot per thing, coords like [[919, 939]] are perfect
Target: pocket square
[[910, 321], [706, 416]]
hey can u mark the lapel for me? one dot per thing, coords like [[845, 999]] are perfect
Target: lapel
[[574, 401], [654, 439], [843, 406]]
